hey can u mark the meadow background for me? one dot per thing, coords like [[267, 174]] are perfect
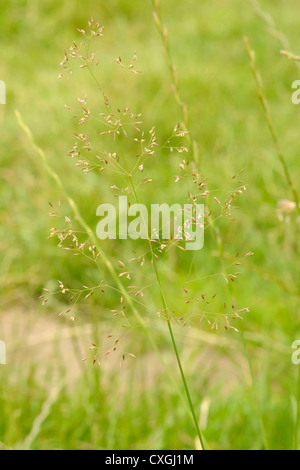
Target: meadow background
[[243, 384]]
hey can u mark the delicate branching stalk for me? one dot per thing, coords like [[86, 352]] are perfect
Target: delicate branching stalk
[[114, 128], [269, 122]]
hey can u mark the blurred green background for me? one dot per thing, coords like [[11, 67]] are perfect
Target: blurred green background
[[244, 385]]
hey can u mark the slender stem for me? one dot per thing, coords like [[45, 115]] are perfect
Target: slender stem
[[186, 388], [165, 309]]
